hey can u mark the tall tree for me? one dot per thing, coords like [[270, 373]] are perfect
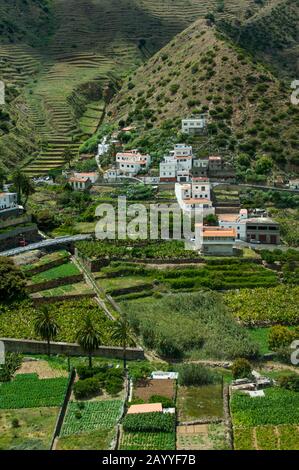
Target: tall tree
[[12, 281], [67, 156], [122, 333], [46, 326], [89, 338], [23, 186]]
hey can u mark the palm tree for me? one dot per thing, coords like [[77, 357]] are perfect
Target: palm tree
[[89, 338], [67, 156], [46, 326], [23, 186], [122, 333]]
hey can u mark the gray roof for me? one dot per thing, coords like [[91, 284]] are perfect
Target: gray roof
[[261, 220]]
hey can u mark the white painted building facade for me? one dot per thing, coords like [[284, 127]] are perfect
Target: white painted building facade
[[194, 126], [8, 201]]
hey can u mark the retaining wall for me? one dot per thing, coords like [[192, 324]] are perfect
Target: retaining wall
[[26, 346], [55, 283]]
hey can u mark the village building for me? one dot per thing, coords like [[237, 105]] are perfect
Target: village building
[[194, 126], [217, 241], [93, 176], [195, 196], [131, 163], [80, 183], [177, 166], [235, 221], [200, 167], [8, 201], [262, 230], [294, 184]]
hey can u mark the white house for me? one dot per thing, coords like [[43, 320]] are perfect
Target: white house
[[194, 126], [217, 241], [93, 176], [194, 197], [235, 221], [131, 163], [81, 183], [177, 165], [8, 201]]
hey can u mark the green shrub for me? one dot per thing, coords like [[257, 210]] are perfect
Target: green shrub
[[241, 368], [196, 374], [280, 337], [289, 382], [86, 388], [166, 402]]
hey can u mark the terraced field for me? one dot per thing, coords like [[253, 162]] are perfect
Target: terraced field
[[91, 41]]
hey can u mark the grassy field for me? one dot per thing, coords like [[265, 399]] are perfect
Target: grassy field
[[100, 439], [199, 402], [71, 289], [65, 270], [147, 441], [27, 429]]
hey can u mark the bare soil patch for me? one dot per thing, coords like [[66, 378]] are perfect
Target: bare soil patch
[[42, 369], [147, 388]]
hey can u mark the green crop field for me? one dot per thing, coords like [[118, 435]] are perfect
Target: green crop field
[[65, 270], [91, 416], [28, 391], [147, 441], [265, 306], [17, 320]]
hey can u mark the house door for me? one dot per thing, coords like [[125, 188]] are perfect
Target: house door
[[273, 239], [263, 238]]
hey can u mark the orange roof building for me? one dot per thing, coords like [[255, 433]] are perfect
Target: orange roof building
[[146, 408]]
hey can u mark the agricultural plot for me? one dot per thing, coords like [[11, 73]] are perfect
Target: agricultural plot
[[45, 260], [17, 320], [100, 439], [204, 402], [65, 270], [266, 423], [148, 431], [265, 306], [91, 415], [279, 406], [147, 441], [28, 391], [145, 389], [281, 437], [27, 429], [70, 289], [201, 437]]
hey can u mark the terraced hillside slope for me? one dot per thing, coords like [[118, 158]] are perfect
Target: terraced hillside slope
[[201, 70], [271, 34], [84, 42]]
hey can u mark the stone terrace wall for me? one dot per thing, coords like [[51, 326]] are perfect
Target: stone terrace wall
[[26, 346]]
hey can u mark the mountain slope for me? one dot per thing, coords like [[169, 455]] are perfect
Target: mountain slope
[[271, 34], [51, 49], [202, 70]]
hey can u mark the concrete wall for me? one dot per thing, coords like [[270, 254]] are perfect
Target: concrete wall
[[55, 283], [26, 346]]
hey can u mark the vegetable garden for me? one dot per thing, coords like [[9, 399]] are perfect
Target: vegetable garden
[[28, 391], [89, 416]]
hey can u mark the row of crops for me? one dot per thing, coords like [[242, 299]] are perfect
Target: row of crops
[[28, 391], [149, 431], [266, 423], [89, 416]]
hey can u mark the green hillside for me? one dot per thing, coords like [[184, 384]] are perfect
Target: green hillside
[[63, 60], [56, 47], [271, 34], [201, 70]]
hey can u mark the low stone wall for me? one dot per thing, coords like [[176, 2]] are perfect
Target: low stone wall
[[61, 298], [129, 290], [46, 267], [26, 346], [64, 281]]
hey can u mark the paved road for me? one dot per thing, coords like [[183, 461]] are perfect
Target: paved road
[[45, 244]]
